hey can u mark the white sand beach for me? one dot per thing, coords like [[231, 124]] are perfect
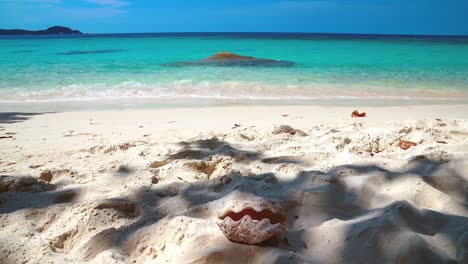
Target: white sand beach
[[146, 186]]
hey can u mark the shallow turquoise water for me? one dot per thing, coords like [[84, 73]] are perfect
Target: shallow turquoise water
[[109, 67]]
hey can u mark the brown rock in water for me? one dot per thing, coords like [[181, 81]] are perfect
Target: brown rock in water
[[406, 144], [223, 55], [228, 59], [46, 176]]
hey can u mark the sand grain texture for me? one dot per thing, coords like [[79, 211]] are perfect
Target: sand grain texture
[[119, 193]]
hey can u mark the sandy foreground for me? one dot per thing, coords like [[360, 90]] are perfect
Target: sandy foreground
[[146, 186]]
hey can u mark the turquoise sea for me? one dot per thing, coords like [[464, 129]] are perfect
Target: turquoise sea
[[136, 70]]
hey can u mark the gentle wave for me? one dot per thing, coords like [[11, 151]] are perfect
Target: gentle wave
[[85, 52], [229, 90]]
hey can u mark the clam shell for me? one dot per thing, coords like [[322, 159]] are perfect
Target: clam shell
[[250, 231]]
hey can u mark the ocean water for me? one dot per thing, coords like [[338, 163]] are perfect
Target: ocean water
[[132, 70]]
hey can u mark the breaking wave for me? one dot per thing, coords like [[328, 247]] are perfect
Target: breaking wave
[[229, 90]]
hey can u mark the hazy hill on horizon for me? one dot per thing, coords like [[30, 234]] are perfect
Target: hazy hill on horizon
[[55, 30]]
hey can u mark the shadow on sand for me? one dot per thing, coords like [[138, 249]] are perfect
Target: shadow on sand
[[15, 117], [395, 232]]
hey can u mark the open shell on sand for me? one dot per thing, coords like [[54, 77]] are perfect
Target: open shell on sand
[[252, 221]]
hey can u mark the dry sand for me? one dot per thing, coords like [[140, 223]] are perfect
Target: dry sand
[[145, 186]]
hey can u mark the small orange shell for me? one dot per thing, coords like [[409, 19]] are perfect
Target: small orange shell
[[406, 144], [355, 113]]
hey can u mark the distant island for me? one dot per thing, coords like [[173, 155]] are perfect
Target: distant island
[[55, 30]]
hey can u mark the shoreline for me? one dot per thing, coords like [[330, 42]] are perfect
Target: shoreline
[[148, 104], [188, 121]]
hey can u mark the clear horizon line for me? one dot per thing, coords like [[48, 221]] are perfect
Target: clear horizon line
[[282, 32], [268, 32]]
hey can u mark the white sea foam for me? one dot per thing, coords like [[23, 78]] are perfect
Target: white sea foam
[[229, 90]]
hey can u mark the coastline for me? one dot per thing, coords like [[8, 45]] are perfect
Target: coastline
[[148, 104], [191, 120], [146, 184]]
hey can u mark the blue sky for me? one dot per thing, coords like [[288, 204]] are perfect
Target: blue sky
[[327, 16]]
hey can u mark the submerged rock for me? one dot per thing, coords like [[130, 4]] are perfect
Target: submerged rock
[[230, 59], [223, 55]]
